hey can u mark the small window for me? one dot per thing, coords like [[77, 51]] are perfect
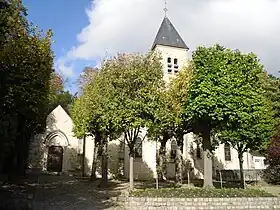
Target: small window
[[176, 67], [198, 152], [168, 60], [138, 148], [175, 71], [169, 65], [257, 160], [169, 71], [173, 149], [227, 152]]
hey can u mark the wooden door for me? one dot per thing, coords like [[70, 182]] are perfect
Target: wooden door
[[55, 159]]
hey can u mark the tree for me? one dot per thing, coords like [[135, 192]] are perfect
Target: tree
[[161, 130], [168, 122], [272, 92], [87, 77], [26, 63], [177, 96], [92, 115], [133, 81], [221, 76], [272, 146], [253, 122], [84, 114], [253, 128]]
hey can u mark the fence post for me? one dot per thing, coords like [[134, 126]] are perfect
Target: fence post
[[256, 173], [221, 179], [156, 165], [189, 178]]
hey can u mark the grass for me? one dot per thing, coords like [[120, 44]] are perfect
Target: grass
[[199, 193]]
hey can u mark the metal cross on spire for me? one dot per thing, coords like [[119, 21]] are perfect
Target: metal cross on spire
[[165, 8]]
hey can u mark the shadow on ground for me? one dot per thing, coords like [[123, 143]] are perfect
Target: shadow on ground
[[65, 192], [17, 194]]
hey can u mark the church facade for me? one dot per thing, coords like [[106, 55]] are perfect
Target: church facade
[[57, 150]]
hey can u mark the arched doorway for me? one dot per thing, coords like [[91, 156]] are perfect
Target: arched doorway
[[55, 159]]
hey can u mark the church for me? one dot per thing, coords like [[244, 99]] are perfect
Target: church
[[58, 150]]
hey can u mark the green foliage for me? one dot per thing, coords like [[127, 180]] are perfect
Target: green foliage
[[12, 19], [91, 112], [164, 118], [79, 117], [177, 97], [272, 92], [199, 193], [227, 93], [132, 83], [222, 78], [26, 63], [252, 123], [168, 115]]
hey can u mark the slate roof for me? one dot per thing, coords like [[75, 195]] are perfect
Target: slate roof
[[168, 36]]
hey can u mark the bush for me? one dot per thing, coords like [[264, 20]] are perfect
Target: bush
[[272, 173]]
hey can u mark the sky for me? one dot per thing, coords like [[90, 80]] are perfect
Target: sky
[[88, 31]]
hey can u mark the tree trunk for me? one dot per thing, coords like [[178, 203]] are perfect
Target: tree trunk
[[22, 146], [162, 160], [94, 163], [242, 179], [104, 164], [94, 158], [84, 156], [179, 163], [208, 179], [121, 160], [131, 178]]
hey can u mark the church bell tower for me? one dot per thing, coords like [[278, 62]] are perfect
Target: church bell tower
[[172, 48]]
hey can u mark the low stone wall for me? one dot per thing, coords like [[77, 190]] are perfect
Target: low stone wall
[[141, 203]]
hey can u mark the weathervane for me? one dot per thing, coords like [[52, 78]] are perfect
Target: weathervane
[[165, 8]]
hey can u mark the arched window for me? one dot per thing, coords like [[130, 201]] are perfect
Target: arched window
[[173, 149], [227, 152], [176, 66], [138, 148], [169, 65]]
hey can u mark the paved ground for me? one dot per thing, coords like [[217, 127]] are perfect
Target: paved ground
[[49, 192], [273, 189], [64, 192]]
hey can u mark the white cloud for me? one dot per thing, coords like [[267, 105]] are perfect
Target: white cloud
[[65, 67], [131, 25]]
